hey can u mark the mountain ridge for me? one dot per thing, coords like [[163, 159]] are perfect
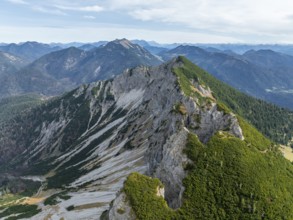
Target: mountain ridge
[[88, 141], [10, 63]]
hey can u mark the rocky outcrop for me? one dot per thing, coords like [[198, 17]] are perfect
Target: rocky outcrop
[[171, 168], [120, 209], [214, 120]]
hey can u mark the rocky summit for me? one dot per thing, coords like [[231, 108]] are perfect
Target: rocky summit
[[152, 143]]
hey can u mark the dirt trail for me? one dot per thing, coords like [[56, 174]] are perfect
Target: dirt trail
[[37, 198]]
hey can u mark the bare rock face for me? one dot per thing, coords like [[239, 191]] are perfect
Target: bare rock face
[[214, 120], [120, 209], [235, 129], [171, 169], [164, 155], [102, 132]]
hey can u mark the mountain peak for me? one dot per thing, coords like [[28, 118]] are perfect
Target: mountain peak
[[71, 49], [30, 43], [123, 42], [33, 44]]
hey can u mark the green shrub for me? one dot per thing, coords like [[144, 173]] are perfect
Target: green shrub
[[53, 200], [180, 108], [223, 108], [121, 211], [22, 211], [141, 192], [70, 208], [228, 179]]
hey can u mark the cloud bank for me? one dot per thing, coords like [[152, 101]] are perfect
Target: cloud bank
[[238, 21]]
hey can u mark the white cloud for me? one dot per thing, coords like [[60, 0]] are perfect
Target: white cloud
[[69, 34], [92, 8], [48, 10], [241, 17], [89, 17], [130, 4], [241, 20], [21, 2]]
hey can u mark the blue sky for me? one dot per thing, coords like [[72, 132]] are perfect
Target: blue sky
[[193, 21]]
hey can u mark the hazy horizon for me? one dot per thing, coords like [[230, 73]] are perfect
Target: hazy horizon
[[149, 41], [187, 21]]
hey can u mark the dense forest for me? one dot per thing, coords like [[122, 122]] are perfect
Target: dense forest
[[12, 106]]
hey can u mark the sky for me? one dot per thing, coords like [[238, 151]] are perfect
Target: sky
[[189, 21]]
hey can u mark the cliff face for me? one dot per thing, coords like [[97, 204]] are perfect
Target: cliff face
[[92, 138]]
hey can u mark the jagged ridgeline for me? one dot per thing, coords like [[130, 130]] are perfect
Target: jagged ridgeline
[[169, 131]]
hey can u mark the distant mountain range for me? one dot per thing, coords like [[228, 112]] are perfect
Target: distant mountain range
[[151, 46], [58, 67], [65, 69], [29, 50], [242, 48]]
